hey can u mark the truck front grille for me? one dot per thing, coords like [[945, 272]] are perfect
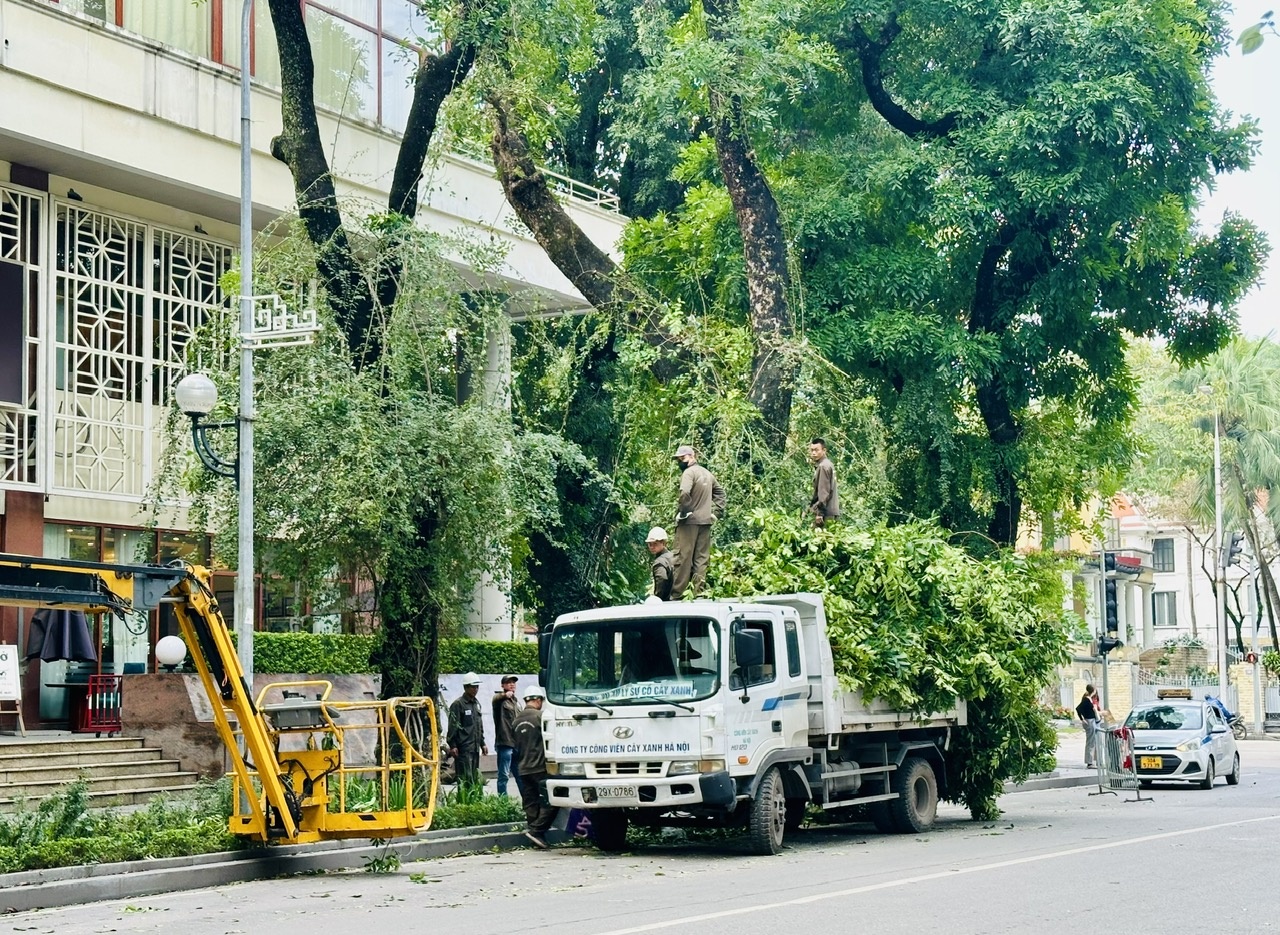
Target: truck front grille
[[627, 768]]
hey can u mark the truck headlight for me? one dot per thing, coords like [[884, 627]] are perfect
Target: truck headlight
[[1189, 746], [570, 769], [687, 767]]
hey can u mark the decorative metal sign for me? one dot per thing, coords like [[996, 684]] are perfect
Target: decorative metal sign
[[275, 325]]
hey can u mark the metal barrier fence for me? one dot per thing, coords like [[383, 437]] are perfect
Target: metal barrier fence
[[1117, 766]]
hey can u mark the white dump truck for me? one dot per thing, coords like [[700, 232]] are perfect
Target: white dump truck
[[725, 713]]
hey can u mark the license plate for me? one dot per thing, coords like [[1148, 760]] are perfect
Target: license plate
[[1150, 762], [616, 792]]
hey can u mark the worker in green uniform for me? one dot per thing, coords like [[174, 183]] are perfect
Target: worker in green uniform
[[466, 731], [533, 768]]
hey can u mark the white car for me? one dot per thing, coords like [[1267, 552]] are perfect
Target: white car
[[1182, 740]]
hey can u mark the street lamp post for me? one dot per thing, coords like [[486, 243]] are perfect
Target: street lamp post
[[244, 562]]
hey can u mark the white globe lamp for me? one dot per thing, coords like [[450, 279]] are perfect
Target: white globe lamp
[[170, 652]]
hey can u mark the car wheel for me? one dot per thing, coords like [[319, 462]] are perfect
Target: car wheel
[[1146, 783], [1207, 782], [609, 827], [1233, 777], [916, 806]]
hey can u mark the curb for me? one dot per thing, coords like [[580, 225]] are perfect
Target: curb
[[69, 886], [1054, 780]]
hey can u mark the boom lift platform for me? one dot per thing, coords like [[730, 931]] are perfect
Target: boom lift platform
[[309, 769]]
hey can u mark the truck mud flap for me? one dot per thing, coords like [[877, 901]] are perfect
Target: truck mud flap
[[716, 788]]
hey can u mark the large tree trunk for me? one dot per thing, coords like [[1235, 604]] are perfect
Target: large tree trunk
[[764, 249], [355, 299]]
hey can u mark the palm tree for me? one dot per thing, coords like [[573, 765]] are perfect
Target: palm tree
[[1245, 381]]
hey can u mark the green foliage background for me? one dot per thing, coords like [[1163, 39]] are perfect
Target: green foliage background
[[921, 624], [349, 654]]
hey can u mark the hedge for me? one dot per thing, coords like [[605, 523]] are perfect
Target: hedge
[[347, 654]]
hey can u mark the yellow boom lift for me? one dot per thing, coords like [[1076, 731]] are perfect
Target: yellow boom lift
[[301, 756]]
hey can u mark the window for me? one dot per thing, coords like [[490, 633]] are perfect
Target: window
[[792, 631], [1162, 550], [366, 52], [756, 675], [1164, 608]]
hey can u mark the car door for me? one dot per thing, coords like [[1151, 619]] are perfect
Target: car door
[[1218, 731]]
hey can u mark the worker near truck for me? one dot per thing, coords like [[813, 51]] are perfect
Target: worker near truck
[[701, 503], [533, 768], [825, 502], [664, 563], [466, 731], [505, 708]]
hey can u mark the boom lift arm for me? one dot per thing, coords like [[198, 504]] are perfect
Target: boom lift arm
[[292, 749]]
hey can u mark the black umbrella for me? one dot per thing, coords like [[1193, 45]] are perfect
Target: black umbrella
[[60, 634]]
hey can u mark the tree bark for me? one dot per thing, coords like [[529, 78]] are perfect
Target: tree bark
[[870, 54], [764, 249], [355, 300], [993, 401]]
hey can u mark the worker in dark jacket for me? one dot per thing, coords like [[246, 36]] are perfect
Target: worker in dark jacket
[[825, 502], [701, 503], [466, 731], [533, 768], [505, 709], [664, 563]]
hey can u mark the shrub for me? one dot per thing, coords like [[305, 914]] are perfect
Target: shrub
[[349, 654]]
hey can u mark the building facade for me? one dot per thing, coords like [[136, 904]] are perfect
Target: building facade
[[119, 198]]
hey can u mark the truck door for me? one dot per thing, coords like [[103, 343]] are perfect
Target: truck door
[[776, 714]]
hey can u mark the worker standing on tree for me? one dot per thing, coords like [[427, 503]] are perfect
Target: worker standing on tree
[[664, 563], [533, 768], [825, 502], [466, 731], [701, 503]]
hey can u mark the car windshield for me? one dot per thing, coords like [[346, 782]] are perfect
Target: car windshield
[[1166, 717], [672, 659]]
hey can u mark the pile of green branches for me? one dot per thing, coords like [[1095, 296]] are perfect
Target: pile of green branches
[[922, 624]]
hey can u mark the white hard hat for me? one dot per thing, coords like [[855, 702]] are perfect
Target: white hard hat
[[534, 691], [470, 679], [656, 534]]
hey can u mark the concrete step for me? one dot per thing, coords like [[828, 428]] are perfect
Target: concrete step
[[26, 747], [85, 757], [65, 773], [106, 784], [109, 798]]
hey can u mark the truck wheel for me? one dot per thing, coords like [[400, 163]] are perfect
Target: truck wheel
[[609, 825], [795, 813], [916, 806], [768, 820]]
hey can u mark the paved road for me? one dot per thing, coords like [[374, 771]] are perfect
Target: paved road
[[1058, 861]]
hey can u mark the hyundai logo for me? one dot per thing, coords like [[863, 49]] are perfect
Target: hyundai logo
[[622, 733]]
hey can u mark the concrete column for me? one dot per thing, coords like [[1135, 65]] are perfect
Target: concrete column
[[488, 612]]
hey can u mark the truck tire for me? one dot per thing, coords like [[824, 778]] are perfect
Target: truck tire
[[609, 826], [916, 806], [768, 821]]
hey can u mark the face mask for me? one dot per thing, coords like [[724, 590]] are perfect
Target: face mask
[[684, 465]]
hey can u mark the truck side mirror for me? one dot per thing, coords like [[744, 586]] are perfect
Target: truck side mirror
[[542, 677], [544, 648], [748, 648]]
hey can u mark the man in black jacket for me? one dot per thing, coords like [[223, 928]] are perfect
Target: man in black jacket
[[466, 731], [505, 709], [533, 768]]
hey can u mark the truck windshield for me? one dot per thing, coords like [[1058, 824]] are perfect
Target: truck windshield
[[637, 661]]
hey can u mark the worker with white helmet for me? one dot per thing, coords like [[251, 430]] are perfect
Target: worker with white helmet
[[466, 731], [533, 768], [664, 563]]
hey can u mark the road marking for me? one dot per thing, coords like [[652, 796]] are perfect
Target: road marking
[[939, 875]]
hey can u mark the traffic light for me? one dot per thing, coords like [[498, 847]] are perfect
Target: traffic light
[[1231, 554], [1108, 643], [1111, 611]]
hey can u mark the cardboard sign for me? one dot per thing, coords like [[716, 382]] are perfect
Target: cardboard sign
[[10, 685]]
